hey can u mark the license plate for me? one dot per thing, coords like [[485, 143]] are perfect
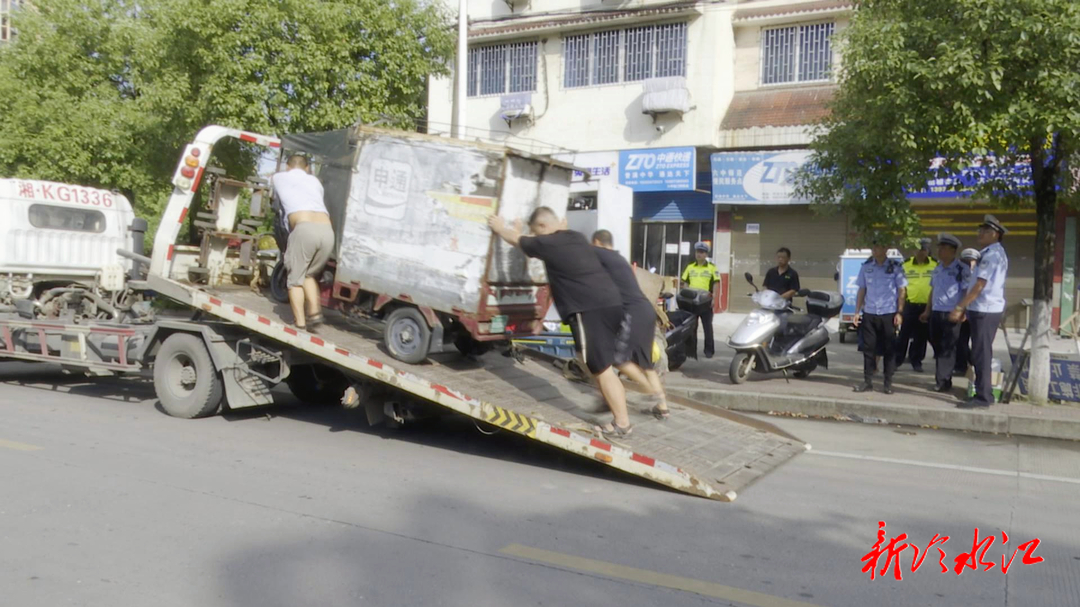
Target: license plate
[[498, 324]]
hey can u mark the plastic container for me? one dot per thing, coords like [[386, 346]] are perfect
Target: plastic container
[[997, 380]]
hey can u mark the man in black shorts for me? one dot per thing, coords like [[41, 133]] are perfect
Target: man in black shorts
[[585, 297], [633, 350]]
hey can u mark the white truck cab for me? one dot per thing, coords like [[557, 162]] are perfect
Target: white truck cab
[[55, 234]]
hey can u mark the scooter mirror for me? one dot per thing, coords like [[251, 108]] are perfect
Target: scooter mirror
[[749, 277], [836, 276], [803, 292]]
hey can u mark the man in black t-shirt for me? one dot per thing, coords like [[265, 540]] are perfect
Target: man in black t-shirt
[[783, 278], [633, 350], [585, 297]]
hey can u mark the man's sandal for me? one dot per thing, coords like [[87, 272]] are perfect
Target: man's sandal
[[615, 431], [316, 320], [661, 413]]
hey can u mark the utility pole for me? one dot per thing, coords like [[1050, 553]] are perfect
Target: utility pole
[[461, 73]]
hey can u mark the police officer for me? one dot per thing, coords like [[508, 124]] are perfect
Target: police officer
[[985, 304], [879, 308], [946, 289], [702, 275], [917, 270], [969, 258]]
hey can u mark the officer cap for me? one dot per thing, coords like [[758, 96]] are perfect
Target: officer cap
[[924, 243], [969, 254], [992, 222], [949, 239], [701, 246]]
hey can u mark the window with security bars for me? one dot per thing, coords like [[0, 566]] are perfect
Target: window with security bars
[[627, 55], [801, 53], [502, 68], [6, 7]]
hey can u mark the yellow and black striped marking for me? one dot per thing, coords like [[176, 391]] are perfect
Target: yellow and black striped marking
[[515, 422]]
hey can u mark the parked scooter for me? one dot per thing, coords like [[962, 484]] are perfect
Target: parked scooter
[[774, 338], [682, 335]]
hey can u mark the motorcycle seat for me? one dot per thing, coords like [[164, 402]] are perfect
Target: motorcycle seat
[[801, 323]]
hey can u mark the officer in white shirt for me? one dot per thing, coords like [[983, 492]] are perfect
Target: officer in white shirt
[[311, 238], [985, 305]]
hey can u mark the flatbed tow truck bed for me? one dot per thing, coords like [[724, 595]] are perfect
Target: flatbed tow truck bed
[[699, 450]]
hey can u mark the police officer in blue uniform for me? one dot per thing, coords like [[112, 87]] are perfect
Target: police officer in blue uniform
[[879, 309], [985, 305], [947, 283]]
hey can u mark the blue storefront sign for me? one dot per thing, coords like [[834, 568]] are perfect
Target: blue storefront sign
[[756, 177], [762, 178], [660, 170]]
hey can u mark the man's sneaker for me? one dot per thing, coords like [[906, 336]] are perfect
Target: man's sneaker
[[887, 389], [916, 368], [973, 404], [943, 387], [863, 387]]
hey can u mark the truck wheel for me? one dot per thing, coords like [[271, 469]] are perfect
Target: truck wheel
[[317, 384], [407, 335], [186, 382], [843, 335], [279, 286], [471, 347], [740, 368]]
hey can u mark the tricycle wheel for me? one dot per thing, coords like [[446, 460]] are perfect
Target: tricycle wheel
[[407, 335], [741, 366], [279, 285]]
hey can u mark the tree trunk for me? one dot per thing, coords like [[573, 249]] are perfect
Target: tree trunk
[[1044, 177]]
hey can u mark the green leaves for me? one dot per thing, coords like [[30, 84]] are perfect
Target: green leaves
[[958, 79], [106, 92]]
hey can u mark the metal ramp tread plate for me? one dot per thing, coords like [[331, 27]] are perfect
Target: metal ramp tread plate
[[698, 450]]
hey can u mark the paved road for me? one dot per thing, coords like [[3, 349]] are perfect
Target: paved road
[[106, 501]]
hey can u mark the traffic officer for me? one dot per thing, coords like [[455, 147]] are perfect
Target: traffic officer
[[917, 270], [702, 275], [946, 289], [985, 305], [969, 258], [879, 308]]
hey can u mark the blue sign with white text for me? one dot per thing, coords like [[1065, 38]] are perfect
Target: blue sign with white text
[[756, 177], [661, 170]]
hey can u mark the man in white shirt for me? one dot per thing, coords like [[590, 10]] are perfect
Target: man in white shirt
[[311, 238]]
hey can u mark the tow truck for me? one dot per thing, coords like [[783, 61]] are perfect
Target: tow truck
[[235, 345]]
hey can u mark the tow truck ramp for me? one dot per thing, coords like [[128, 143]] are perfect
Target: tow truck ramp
[[699, 450]]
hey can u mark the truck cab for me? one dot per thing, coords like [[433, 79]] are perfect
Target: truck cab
[[56, 235]]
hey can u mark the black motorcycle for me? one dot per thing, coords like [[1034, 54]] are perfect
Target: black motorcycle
[[681, 336]]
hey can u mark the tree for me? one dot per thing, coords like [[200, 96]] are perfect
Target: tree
[[106, 92], [963, 81]]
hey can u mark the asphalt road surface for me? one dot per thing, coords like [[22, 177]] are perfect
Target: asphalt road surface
[[105, 500]]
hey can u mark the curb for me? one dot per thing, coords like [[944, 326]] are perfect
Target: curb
[[990, 422]]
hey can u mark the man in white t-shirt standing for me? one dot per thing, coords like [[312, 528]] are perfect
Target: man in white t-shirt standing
[[311, 238]]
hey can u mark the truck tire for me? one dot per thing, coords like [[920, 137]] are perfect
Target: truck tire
[[185, 380], [843, 335], [407, 335], [317, 384]]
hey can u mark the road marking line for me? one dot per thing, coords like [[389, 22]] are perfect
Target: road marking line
[[652, 578], [911, 462], [8, 444]]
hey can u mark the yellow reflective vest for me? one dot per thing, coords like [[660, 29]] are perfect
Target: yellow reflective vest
[[918, 278], [700, 276]]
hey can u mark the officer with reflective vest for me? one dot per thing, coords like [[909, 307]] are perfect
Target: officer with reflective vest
[[984, 305], [879, 308], [702, 275], [917, 269], [946, 289]]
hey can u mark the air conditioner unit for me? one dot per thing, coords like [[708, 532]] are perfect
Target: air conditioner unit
[[663, 95], [517, 106]]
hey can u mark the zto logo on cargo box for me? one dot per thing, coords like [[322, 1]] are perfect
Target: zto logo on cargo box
[[388, 189]]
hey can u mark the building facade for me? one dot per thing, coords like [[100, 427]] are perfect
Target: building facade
[[689, 119]]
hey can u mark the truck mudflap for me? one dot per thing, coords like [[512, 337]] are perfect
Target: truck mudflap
[[700, 450]]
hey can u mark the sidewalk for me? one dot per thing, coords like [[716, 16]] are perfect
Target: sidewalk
[[827, 393]]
